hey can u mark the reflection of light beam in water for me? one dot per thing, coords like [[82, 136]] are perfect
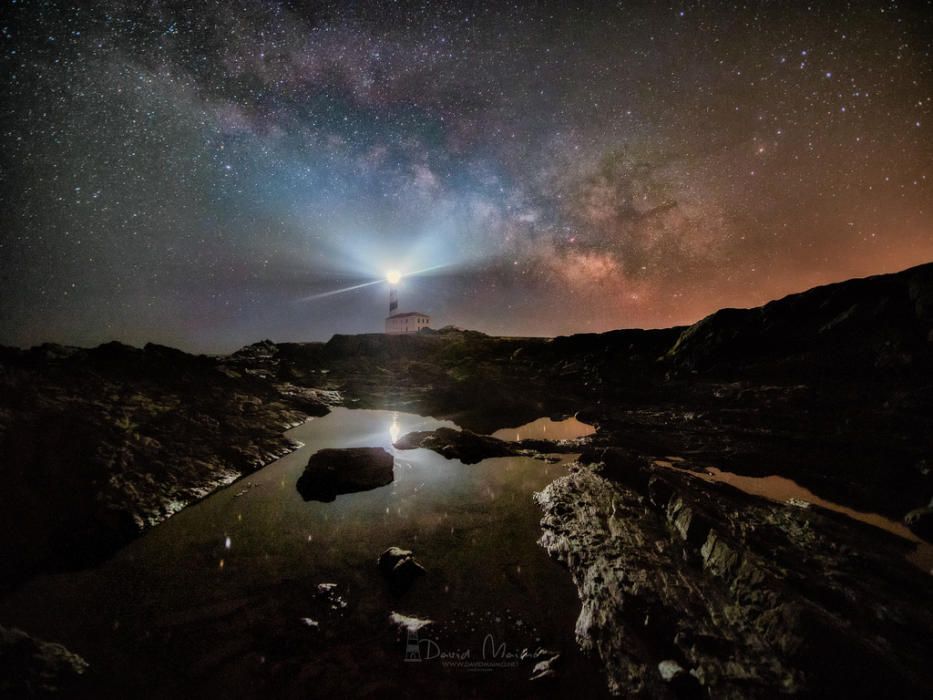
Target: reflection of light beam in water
[[333, 292]]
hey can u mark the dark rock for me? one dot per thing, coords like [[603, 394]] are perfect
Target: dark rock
[[400, 567], [332, 472], [407, 625], [683, 683], [464, 445], [675, 574], [329, 594], [550, 446], [99, 444], [920, 521], [31, 667], [392, 556], [546, 669], [876, 324]]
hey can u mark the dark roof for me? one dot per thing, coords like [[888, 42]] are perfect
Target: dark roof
[[405, 315]]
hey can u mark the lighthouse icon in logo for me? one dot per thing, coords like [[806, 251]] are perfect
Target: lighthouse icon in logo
[[412, 646]]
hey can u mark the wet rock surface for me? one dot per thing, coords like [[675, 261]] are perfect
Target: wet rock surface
[[464, 445], [685, 583], [400, 568], [30, 667], [98, 445], [332, 472], [921, 522], [470, 448]]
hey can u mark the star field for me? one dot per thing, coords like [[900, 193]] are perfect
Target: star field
[[191, 173]]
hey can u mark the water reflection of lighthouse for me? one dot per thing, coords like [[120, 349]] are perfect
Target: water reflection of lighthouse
[[395, 430], [412, 646]]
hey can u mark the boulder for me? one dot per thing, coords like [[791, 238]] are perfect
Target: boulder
[[408, 623], [921, 522], [31, 667], [332, 472], [400, 567], [545, 669]]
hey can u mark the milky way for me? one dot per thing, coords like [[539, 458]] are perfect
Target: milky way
[[195, 175]]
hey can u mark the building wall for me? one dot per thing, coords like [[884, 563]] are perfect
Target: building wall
[[407, 324]]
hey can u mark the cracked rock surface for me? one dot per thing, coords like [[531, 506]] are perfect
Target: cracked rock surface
[[689, 586]]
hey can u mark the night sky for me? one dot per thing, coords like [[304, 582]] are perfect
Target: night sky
[[197, 174]]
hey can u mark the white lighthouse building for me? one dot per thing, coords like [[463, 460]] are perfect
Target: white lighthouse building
[[399, 323], [412, 322]]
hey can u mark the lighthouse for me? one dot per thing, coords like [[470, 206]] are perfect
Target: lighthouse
[[401, 323]]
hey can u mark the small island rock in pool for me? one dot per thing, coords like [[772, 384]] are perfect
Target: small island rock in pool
[[332, 472], [464, 445]]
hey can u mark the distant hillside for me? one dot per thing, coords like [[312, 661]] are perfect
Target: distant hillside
[[862, 325]]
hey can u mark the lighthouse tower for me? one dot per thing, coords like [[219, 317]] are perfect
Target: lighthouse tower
[[398, 323]]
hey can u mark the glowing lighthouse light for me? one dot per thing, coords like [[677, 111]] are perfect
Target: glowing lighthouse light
[[397, 322]]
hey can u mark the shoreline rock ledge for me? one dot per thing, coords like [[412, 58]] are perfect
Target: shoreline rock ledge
[[332, 472]]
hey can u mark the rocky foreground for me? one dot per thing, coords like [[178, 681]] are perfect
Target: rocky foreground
[[687, 587], [690, 589], [98, 445]]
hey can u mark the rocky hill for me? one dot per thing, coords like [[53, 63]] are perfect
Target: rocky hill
[[97, 445], [860, 329]]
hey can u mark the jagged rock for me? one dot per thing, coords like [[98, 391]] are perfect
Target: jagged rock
[[408, 623], [464, 445], [100, 444], [31, 667], [332, 472], [545, 669], [920, 521], [400, 567], [671, 569], [683, 683], [329, 594], [392, 556]]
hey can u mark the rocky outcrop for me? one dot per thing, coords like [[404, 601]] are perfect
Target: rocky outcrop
[[30, 667], [689, 587], [470, 448], [332, 472], [98, 445], [920, 521], [877, 324], [464, 445]]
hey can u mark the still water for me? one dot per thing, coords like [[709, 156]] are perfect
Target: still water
[[782, 490], [226, 597], [547, 429]]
